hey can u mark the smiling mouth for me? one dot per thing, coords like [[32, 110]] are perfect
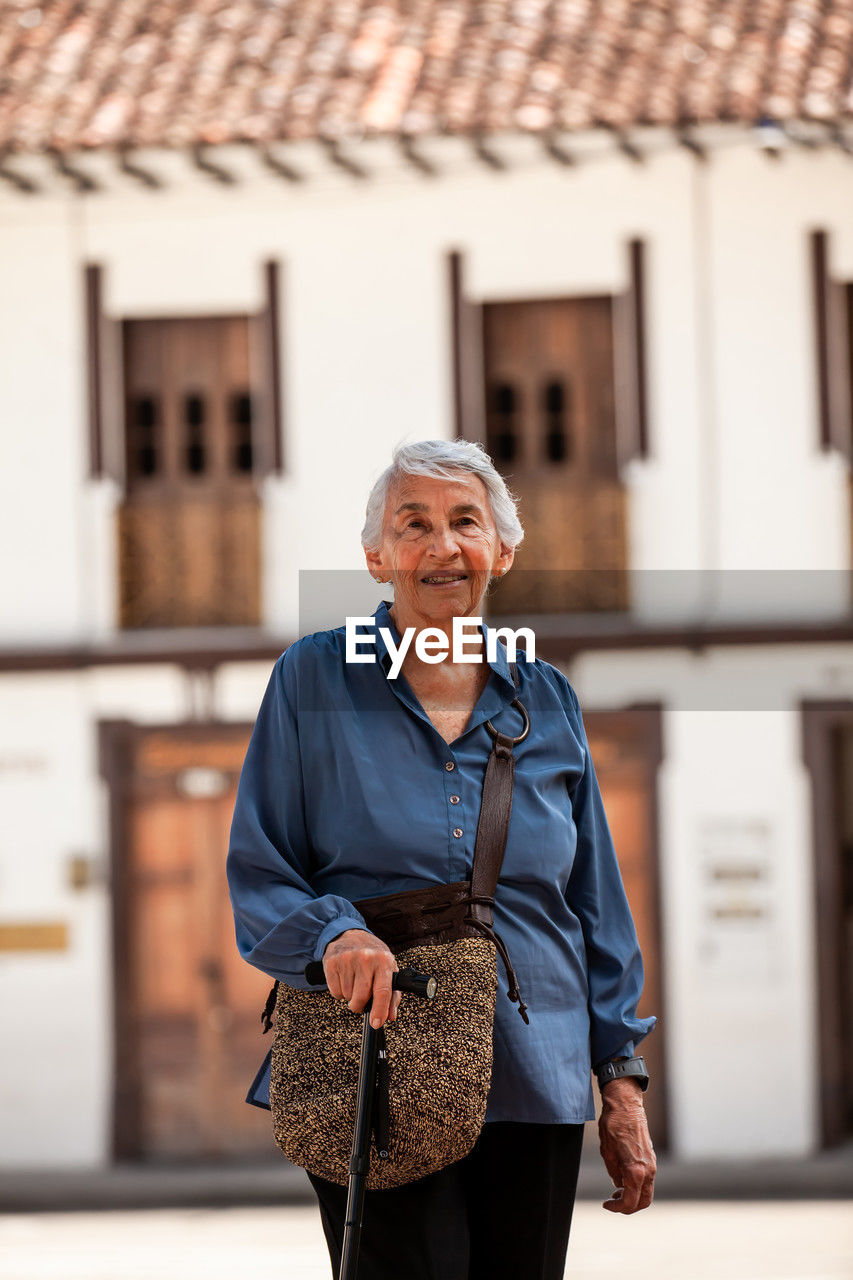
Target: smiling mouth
[[443, 579]]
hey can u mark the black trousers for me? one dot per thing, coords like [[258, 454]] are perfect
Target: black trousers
[[502, 1213]]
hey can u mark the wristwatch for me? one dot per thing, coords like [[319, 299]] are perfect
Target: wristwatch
[[621, 1067]]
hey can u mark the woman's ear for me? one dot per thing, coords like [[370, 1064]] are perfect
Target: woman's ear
[[503, 560], [373, 560]]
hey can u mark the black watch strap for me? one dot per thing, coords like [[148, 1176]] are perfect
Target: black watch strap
[[635, 1067]]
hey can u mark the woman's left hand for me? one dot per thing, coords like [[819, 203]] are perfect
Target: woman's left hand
[[626, 1146]]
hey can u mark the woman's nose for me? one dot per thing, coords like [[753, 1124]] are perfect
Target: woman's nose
[[444, 542]]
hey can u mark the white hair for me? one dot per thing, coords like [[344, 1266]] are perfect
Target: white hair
[[443, 459]]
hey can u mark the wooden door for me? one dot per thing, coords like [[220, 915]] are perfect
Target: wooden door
[[839, 927], [625, 747], [190, 1034], [827, 727], [551, 430], [189, 528]]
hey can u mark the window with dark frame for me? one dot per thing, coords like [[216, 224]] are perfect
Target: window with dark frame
[[550, 418], [848, 297], [189, 528], [188, 426]]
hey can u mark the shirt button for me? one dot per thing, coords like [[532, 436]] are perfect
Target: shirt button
[[457, 831], [450, 766], [454, 799]]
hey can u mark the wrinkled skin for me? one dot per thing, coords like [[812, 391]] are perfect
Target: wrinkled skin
[[626, 1146], [434, 526], [358, 964]]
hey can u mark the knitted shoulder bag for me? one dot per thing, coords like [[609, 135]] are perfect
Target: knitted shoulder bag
[[435, 1060]]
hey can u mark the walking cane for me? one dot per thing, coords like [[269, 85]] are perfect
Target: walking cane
[[417, 984]]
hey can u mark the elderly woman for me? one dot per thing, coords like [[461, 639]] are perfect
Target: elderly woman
[[349, 804]]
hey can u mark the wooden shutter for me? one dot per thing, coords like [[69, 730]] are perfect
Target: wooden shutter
[[266, 334], [103, 379], [189, 528], [834, 358], [551, 429], [466, 326], [629, 336]]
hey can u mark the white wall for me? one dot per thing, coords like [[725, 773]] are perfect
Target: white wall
[[738, 992], [782, 505], [733, 785], [56, 1006], [54, 1072], [734, 479], [42, 436]]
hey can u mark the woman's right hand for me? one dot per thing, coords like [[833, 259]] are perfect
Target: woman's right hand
[[358, 965]]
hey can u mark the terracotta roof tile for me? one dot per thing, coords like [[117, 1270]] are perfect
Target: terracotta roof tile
[[107, 73]]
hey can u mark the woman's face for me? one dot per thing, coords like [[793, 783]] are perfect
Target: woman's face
[[439, 547]]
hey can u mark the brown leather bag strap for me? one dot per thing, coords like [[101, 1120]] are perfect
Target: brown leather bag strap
[[496, 806], [493, 825], [490, 843]]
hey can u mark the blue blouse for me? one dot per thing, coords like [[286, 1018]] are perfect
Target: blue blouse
[[348, 791]]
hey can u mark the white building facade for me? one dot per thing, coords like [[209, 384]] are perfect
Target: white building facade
[[737, 633]]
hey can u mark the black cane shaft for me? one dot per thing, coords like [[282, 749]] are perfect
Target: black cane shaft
[[360, 1156], [419, 984]]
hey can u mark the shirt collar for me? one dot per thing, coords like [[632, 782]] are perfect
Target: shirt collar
[[382, 617]]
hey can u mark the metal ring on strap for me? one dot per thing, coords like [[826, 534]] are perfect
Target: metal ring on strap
[[525, 717]]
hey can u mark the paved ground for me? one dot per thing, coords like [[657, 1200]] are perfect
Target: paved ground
[[686, 1240], [828, 1175]]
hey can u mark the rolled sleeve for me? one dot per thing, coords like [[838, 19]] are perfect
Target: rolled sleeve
[[335, 928], [281, 923], [596, 894]]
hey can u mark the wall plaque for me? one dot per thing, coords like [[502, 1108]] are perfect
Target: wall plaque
[[737, 933], [41, 935]]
